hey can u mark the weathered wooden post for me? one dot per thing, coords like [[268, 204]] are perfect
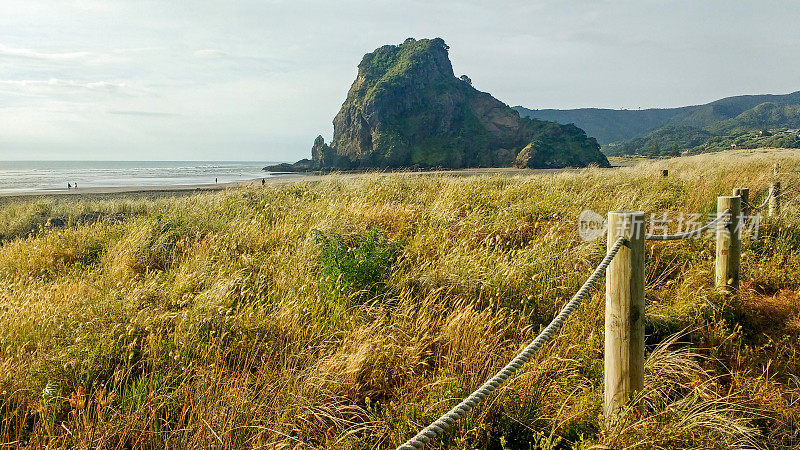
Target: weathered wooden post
[[664, 173], [624, 327], [744, 193], [776, 169], [728, 244], [775, 199]]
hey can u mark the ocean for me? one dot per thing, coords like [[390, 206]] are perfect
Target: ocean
[[19, 177]]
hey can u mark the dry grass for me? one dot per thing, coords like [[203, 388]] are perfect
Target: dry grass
[[206, 320]]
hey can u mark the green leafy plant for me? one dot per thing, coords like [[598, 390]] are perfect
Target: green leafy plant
[[355, 264]]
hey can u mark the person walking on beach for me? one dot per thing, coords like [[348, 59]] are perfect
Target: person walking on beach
[[263, 181], [76, 185], [215, 181], [69, 186]]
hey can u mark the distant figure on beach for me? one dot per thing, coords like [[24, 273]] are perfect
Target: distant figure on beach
[[263, 181], [215, 180], [76, 185], [69, 186]]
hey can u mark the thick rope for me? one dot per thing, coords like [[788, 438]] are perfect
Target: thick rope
[[673, 237], [763, 205], [445, 422]]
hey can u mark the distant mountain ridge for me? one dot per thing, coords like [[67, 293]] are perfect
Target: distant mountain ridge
[[676, 129], [605, 125]]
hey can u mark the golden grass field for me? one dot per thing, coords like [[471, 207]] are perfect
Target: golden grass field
[[349, 312]]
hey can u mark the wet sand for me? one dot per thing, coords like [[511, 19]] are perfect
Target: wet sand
[[143, 191]]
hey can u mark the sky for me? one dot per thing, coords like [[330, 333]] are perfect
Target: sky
[[259, 80]]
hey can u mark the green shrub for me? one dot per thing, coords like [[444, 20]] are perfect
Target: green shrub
[[356, 264]]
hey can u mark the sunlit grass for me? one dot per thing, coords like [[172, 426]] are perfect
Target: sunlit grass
[[347, 313]]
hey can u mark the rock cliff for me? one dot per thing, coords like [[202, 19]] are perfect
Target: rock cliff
[[407, 108]]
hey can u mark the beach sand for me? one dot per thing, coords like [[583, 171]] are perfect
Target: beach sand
[[99, 193], [92, 193]]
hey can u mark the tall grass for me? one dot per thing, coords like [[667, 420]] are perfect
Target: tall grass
[[349, 312]]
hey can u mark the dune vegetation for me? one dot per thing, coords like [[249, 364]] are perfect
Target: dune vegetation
[[348, 313]]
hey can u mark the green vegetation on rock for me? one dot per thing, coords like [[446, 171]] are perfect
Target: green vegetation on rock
[[555, 146], [406, 108]]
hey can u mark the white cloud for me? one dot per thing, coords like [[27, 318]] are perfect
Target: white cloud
[[143, 113], [260, 79], [81, 57], [209, 53], [56, 86]]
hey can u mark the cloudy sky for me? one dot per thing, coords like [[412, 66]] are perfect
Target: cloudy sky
[[241, 80]]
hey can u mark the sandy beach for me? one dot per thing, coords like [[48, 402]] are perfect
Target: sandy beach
[[148, 191], [92, 193]]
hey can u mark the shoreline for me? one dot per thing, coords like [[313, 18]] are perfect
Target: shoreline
[[140, 191], [272, 179]]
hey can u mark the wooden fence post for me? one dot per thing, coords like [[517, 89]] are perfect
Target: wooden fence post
[[775, 199], [624, 327], [728, 244], [745, 194]]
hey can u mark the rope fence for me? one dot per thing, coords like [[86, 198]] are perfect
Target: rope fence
[[687, 235], [763, 205], [624, 353], [446, 421]]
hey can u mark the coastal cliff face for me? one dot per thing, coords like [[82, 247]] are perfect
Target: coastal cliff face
[[407, 108]]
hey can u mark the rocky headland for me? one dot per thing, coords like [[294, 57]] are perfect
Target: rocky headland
[[407, 109]]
